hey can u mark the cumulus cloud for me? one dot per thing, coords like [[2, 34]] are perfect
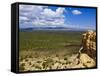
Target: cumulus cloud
[[50, 13], [41, 15], [23, 18], [76, 12]]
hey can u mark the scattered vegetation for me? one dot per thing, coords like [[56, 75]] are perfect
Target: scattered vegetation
[[47, 50]]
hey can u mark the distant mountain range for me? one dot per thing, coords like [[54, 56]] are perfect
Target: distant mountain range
[[52, 28]]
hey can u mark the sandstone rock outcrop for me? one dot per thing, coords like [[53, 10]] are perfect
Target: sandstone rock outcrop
[[87, 61], [89, 44], [87, 54]]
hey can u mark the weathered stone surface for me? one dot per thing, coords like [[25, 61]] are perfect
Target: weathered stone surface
[[89, 44], [86, 60]]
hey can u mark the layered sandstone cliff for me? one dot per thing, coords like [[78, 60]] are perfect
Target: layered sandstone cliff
[[89, 44], [87, 53]]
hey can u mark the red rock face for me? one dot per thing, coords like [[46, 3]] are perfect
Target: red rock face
[[89, 43]]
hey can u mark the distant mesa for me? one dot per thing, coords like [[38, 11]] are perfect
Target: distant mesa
[[53, 28]]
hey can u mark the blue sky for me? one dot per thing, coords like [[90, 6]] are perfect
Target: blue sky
[[31, 16]]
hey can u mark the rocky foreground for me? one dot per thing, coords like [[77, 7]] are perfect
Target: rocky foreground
[[85, 58]]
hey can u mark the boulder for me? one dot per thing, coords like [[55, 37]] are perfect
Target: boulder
[[87, 61]]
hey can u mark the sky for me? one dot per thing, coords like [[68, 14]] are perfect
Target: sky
[[31, 16]]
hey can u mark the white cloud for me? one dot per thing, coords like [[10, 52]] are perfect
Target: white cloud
[[23, 18], [30, 8], [50, 13], [41, 15], [60, 10], [76, 12]]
